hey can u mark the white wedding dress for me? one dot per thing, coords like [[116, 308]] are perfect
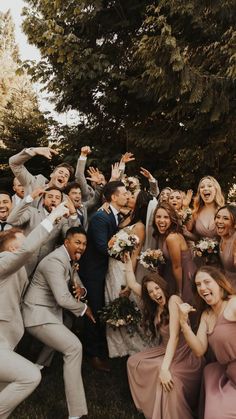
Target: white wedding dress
[[120, 342]]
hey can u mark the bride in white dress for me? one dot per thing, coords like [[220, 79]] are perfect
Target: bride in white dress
[[120, 342]]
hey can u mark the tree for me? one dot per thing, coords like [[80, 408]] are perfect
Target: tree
[[21, 122], [157, 78]]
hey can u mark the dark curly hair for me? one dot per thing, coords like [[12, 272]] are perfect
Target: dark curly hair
[[150, 307]]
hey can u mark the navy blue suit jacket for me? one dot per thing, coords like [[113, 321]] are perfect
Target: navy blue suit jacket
[[94, 263]]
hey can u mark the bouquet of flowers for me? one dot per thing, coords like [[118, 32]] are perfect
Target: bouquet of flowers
[[122, 242], [207, 248], [152, 259], [121, 312], [185, 215], [232, 194]]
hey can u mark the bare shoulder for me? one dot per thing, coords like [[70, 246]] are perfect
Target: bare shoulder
[[139, 228], [174, 301], [172, 237]]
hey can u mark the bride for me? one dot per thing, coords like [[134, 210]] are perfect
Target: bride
[[119, 341]]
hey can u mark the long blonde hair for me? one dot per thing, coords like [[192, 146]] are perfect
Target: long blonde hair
[[219, 197]]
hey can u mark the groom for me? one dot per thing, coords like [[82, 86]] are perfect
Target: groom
[[93, 269]]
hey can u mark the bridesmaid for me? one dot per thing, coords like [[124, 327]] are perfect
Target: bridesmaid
[[225, 220], [217, 328], [179, 267], [208, 199], [164, 380], [164, 194]]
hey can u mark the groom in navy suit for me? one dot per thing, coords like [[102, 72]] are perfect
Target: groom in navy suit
[[93, 268]]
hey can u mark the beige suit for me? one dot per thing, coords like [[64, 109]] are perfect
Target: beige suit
[[28, 217], [46, 296], [19, 375]]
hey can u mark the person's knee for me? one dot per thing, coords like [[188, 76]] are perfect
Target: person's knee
[[75, 348], [33, 376]]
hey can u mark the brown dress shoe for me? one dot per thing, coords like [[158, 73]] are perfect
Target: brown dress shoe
[[100, 364]]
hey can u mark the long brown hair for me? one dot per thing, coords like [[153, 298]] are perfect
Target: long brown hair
[[175, 226], [150, 307], [220, 279]]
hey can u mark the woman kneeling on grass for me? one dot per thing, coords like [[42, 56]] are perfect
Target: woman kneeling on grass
[[164, 380]]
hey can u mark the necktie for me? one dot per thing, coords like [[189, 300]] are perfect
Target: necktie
[[119, 218], [80, 216]]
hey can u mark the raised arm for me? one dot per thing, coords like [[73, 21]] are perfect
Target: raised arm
[[10, 262], [17, 162], [86, 190], [130, 277], [198, 343]]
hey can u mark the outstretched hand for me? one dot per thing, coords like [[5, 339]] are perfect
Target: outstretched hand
[[127, 157], [47, 152], [146, 173]]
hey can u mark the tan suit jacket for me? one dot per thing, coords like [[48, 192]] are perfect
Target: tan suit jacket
[[48, 292], [13, 284], [28, 217]]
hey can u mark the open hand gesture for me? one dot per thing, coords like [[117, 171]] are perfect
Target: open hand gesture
[[95, 175], [45, 152], [127, 157], [146, 173]]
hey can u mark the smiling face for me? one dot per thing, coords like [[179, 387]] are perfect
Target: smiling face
[[52, 199], [224, 223], [207, 288], [156, 293], [164, 195], [176, 200], [76, 245], [5, 206], [18, 188], [162, 220], [60, 177], [207, 191], [76, 197]]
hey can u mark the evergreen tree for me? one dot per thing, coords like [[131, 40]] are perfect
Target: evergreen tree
[[156, 78]]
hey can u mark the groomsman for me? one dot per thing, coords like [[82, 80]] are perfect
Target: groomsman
[[5, 208], [93, 268], [45, 298], [18, 375], [58, 178], [28, 217], [19, 192]]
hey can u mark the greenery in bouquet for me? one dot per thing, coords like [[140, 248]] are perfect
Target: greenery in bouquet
[[121, 243], [152, 259], [231, 198], [121, 312]]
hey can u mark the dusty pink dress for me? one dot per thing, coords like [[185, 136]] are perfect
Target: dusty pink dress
[[227, 259], [188, 269], [148, 394], [220, 376]]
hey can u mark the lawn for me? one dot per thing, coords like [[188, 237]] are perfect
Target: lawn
[[108, 395]]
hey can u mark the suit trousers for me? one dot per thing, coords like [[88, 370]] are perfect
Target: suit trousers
[[20, 377], [61, 339]]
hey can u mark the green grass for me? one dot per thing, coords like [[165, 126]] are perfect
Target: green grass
[[107, 394]]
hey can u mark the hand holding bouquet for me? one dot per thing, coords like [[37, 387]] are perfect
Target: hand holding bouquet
[[207, 248], [121, 312], [152, 259], [121, 243]]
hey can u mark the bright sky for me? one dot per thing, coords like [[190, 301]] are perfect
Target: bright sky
[[30, 52]]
